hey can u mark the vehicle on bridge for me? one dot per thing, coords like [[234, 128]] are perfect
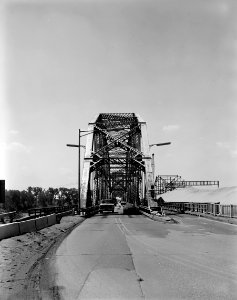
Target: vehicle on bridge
[[106, 205]]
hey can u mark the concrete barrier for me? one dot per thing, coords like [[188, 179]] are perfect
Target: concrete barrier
[[9, 230], [18, 228], [41, 223], [51, 219], [27, 226]]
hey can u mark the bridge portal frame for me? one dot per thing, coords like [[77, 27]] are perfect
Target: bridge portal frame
[[117, 160]]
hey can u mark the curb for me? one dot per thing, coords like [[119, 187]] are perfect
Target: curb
[[158, 218]]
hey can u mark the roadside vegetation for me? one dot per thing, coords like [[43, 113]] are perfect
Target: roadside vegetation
[[16, 200]]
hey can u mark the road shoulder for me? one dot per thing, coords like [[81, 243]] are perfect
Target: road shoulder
[[21, 256]]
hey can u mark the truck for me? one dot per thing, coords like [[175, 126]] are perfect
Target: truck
[[106, 205]]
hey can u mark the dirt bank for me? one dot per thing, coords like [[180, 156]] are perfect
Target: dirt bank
[[19, 256]]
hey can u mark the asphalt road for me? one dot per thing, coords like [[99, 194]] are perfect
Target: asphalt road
[[133, 257]]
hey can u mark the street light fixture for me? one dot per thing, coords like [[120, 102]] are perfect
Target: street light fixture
[[160, 144], [79, 164]]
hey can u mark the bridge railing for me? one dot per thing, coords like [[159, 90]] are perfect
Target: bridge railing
[[43, 211], [9, 216], [228, 210], [215, 209]]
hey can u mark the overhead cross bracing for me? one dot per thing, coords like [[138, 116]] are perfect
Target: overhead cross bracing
[[117, 160]]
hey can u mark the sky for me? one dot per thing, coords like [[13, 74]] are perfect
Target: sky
[[173, 62]]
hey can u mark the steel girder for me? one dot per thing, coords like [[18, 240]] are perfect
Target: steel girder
[[117, 160]]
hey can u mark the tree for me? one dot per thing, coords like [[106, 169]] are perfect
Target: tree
[[42, 199], [12, 200], [27, 200], [35, 192], [38, 197], [50, 195]]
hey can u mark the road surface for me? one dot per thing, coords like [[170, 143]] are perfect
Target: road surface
[[133, 257]]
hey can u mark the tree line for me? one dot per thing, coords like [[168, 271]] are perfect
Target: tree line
[[39, 197]]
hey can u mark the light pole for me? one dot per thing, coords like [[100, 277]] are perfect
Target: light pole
[[79, 163], [153, 159], [79, 168]]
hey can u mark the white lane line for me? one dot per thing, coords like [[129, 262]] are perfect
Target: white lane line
[[119, 226]]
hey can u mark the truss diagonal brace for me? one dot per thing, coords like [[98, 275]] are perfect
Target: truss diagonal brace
[[118, 139]]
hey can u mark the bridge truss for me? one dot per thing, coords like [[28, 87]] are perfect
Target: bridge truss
[[166, 183], [117, 161]]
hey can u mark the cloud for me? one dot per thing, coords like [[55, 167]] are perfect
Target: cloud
[[222, 8], [170, 127], [65, 171], [13, 131], [233, 153], [15, 146], [226, 146], [223, 145]]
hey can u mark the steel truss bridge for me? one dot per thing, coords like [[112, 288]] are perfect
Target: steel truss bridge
[[117, 161]]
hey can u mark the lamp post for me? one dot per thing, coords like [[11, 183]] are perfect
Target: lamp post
[[79, 168], [79, 163], [153, 159]]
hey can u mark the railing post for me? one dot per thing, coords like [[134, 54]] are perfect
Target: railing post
[[214, 209], [231, 210]]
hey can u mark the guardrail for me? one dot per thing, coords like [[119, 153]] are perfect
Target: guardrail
[[44, 211], [209, 208], [40, 218], [7, 216]]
